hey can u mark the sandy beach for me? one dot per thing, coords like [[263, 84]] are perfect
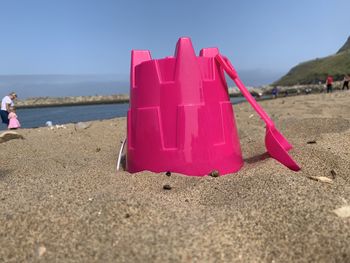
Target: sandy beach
[[61, 199]]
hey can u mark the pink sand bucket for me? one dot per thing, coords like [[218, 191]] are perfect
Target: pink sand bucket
[[180, 117]]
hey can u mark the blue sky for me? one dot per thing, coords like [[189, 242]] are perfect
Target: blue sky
[[96, 36]]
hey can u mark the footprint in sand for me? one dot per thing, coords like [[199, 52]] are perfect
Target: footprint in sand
[[10, 135]]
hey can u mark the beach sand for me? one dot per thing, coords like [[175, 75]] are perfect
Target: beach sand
[[62, 201]]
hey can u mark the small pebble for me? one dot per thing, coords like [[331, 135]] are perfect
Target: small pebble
[[168, 173], [343, 212], [166, 187], [127, 215], [333, 173], [214, 173], [98, 149], [41, 251], [311, 142]]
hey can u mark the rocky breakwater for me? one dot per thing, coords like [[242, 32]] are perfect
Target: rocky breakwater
[[266, 90], [70, 101], [300, 89], [255, 91], [124, 98]]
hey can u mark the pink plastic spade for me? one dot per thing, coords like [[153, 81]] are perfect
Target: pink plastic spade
[[277, 146]]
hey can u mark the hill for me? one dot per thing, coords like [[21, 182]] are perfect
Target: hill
[[314, 71]]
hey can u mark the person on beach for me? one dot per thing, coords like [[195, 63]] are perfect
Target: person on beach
[[346, 82], [13, 121], [274, 92], [329, 84], [6, 103]]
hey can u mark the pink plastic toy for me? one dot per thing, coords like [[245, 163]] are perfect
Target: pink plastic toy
[[277, 146], [180, 117]]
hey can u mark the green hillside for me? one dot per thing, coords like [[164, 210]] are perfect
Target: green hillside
[[314, 71]]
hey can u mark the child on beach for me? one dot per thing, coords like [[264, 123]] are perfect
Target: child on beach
[[13, 121]]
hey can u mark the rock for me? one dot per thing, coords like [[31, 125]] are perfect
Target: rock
[[168, 173], [41, 251], [82, 125], [333, 173], [343, 212], [60, 126], [214, 173], [10, 135], [167, 187], [311, 142]]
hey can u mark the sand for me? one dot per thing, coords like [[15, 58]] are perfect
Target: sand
[[62, 201]]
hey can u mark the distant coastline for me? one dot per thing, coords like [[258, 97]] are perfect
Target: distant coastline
[[41, 102]]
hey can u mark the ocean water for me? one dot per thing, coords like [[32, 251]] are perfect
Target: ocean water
[[37, 117]]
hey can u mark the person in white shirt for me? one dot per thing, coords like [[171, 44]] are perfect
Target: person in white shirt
[[6, 103]]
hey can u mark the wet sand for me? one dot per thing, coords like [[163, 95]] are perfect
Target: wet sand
[[62, 201]]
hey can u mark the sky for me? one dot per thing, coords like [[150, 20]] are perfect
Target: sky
[[97, 36]]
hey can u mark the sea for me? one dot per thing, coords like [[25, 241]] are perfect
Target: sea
[[38, 117]]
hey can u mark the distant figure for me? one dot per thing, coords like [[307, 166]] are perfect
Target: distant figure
[[6, 103], [13, 121], [274, 92], [329, 84], [346, 82]]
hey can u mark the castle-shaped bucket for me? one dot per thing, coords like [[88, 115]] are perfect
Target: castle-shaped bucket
[[180, 117]]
